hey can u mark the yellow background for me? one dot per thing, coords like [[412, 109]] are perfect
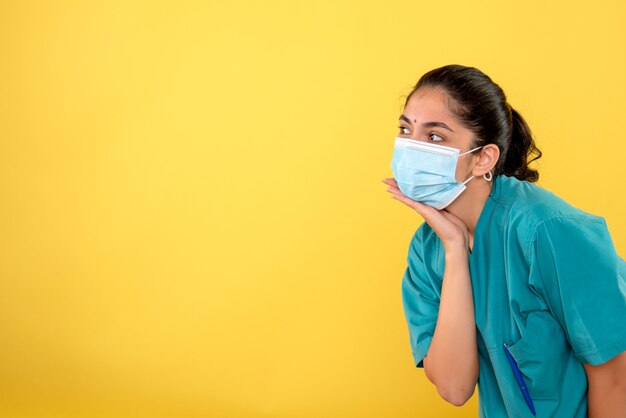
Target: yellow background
[[192, 219]]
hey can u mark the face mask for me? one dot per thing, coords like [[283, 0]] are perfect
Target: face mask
[[425, 172]]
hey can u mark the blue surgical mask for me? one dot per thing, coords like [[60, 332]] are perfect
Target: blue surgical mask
[[425, 172]]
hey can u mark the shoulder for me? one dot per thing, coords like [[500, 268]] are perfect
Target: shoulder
[[424, 239], [530, 206], [426, 250], [527, 208]]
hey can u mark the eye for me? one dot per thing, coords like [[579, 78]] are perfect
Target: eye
[[404, 130], [434, 137]]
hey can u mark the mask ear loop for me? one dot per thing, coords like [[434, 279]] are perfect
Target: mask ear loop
[[472, 150], [467, 181], [467, 152]]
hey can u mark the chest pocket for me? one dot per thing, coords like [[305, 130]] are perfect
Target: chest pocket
[[542, 355]]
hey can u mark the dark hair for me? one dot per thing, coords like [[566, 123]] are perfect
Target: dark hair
[[480, 104]]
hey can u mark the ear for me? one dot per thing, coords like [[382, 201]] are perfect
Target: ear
[[487, 159]]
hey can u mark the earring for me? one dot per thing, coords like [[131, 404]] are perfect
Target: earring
[[488, 178]]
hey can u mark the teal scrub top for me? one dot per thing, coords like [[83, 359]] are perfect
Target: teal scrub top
[[546, 280]]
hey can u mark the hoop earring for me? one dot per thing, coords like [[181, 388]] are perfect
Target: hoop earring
[[488, 178]]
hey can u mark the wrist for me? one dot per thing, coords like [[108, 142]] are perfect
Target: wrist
[[456, 250]]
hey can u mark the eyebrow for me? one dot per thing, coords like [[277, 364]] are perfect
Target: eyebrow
[[433, 124]]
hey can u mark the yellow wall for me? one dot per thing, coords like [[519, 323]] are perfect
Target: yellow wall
[[192, 219]]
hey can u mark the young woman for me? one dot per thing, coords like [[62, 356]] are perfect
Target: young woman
[[507, 285]]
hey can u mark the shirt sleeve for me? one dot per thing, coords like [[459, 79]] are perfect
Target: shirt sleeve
[[420, 298], [582, 279]]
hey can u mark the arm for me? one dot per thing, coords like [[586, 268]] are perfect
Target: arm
[[582, 279], [452, 360], [607, 388]]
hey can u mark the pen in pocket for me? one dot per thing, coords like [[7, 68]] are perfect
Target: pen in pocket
[[520, 379]]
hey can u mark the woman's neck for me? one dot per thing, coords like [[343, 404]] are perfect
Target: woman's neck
[[469, 205]]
